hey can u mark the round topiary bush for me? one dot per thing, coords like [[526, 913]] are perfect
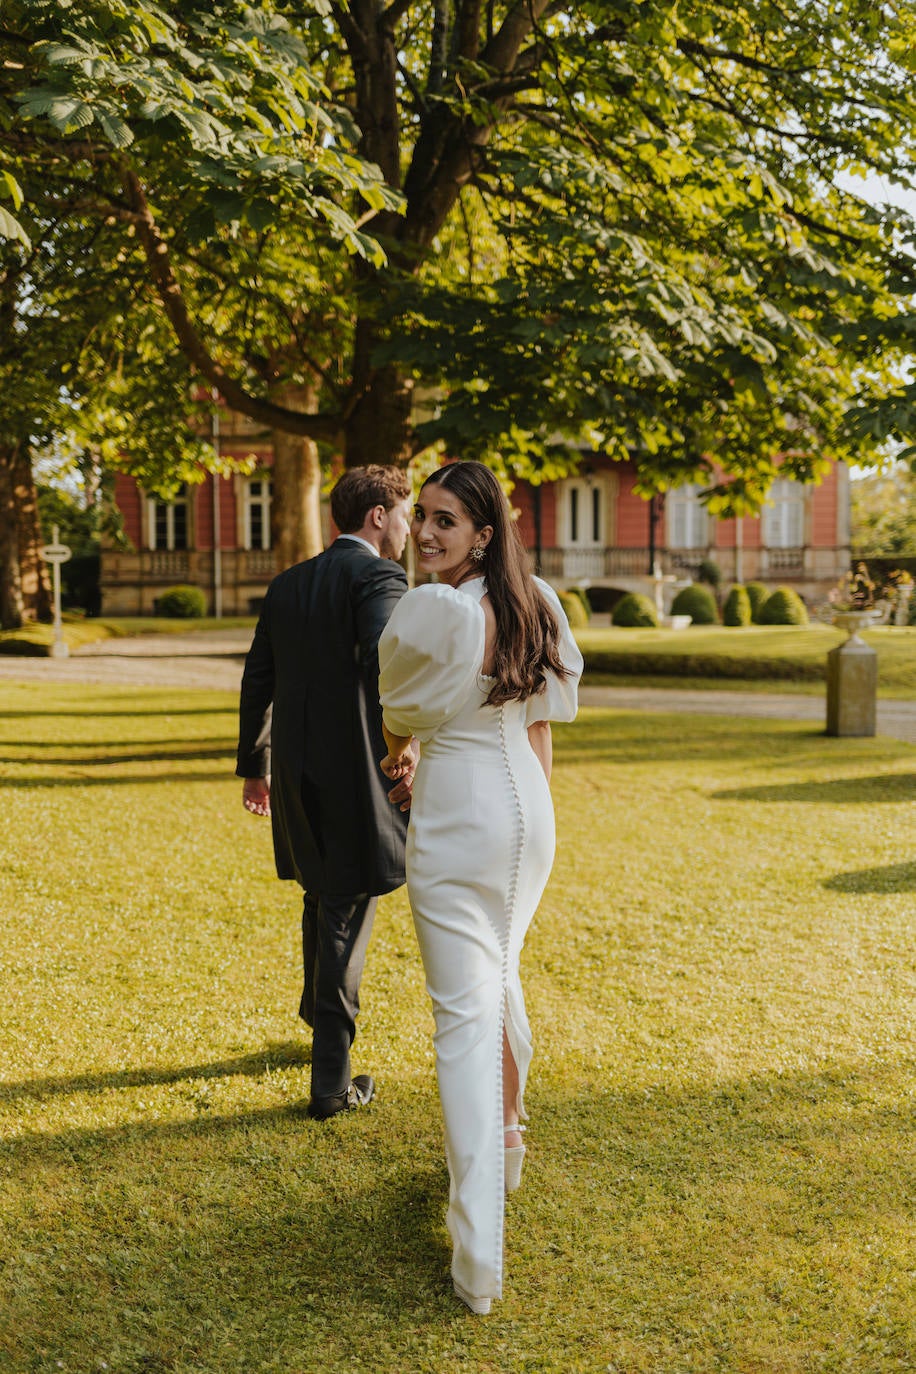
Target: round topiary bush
[[582, 594], [576, 613], [698, 602], [182, 603], [784, 607], [635, 612], [737, 608], [757, 594]]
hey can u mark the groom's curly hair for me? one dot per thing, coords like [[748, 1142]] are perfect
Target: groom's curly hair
[[527, 630], [359, 490]]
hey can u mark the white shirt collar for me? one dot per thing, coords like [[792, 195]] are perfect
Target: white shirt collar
[[360, 540]]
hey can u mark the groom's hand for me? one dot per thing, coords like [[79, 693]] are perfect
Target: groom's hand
[[256, 796], [400, 793]]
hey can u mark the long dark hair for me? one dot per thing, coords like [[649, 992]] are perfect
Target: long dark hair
[[527, 630]]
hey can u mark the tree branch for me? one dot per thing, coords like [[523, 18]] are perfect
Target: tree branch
[[352, 34], [320, 427], [466, 43], [395, 11], [447, 153], [503, 48], [691, 47]]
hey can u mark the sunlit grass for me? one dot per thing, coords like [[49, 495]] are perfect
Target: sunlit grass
[[720, 981], [34, 639]]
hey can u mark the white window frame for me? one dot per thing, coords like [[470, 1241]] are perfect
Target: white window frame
[[784, 519], [583, 513], [687, 518], [153, 505], [264, 499]]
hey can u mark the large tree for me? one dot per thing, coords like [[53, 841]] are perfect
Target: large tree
[[607, 223]]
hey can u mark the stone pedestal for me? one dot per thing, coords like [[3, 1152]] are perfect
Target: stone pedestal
[[852, 681]]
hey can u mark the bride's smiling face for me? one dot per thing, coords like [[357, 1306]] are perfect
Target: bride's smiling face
[[444, 534]]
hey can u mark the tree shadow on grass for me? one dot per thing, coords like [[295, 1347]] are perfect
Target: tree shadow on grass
[[115, 780], [883, 787], [892, 878], [278, 1054], [166, 754], [618, 737], [693, 1228], [61, 747], [93, 713]]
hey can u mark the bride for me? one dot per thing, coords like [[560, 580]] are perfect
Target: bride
[[475, 667]]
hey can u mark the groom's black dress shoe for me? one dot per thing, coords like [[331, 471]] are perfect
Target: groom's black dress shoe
[[360, 1092]]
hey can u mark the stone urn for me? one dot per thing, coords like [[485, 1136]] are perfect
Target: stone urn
[[853, 621], [901, 611]]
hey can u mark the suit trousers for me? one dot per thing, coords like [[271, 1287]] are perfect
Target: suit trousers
[[335, 936]]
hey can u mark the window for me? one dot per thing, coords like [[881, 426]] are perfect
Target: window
[[168, 522], [583, 513], [258, 495], [688, 522], [784, 520]]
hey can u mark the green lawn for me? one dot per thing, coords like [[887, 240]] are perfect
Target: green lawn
[[765, 656], [721, 985]]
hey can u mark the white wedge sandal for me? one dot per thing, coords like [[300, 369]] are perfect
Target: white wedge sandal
[[515, 1158]]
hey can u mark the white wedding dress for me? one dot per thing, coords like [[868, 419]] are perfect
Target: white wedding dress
[[479, 852]]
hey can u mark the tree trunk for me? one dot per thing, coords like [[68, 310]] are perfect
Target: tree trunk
[[36, 578], [295, 511], [12, 607], [377, 430]]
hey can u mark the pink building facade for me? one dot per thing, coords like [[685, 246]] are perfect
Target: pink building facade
[[590, 530], [594, 530]]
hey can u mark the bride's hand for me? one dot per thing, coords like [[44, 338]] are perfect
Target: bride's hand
[[401, 758], [397, 766]]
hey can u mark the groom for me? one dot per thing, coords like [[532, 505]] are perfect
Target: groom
[[310, 739]]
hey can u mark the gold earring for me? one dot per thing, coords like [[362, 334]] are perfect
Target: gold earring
[[478, 553]]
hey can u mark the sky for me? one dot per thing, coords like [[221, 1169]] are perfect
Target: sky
[[879, 190]]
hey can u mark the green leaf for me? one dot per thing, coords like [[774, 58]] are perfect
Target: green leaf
[[13, 188], [116, 130], [10, 228]]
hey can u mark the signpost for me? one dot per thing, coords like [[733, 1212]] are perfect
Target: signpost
[[56, 553]]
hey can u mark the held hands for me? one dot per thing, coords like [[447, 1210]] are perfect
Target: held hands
[[400, 764], [397, 767], [256, 796]]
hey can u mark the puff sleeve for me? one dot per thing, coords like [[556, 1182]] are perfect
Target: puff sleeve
[[560, 698], [430, 654]]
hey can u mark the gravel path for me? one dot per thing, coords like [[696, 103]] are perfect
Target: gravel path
[[214, 659], [201, 658]]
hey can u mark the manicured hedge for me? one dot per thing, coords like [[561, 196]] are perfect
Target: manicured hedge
[[757, 594], [783, 607], [576, 613], [635, 611], [698, 602], [181, 603], [582, 594], [737, 608], [636, 663]]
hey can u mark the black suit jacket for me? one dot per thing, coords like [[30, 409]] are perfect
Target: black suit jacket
[[310, 717]]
